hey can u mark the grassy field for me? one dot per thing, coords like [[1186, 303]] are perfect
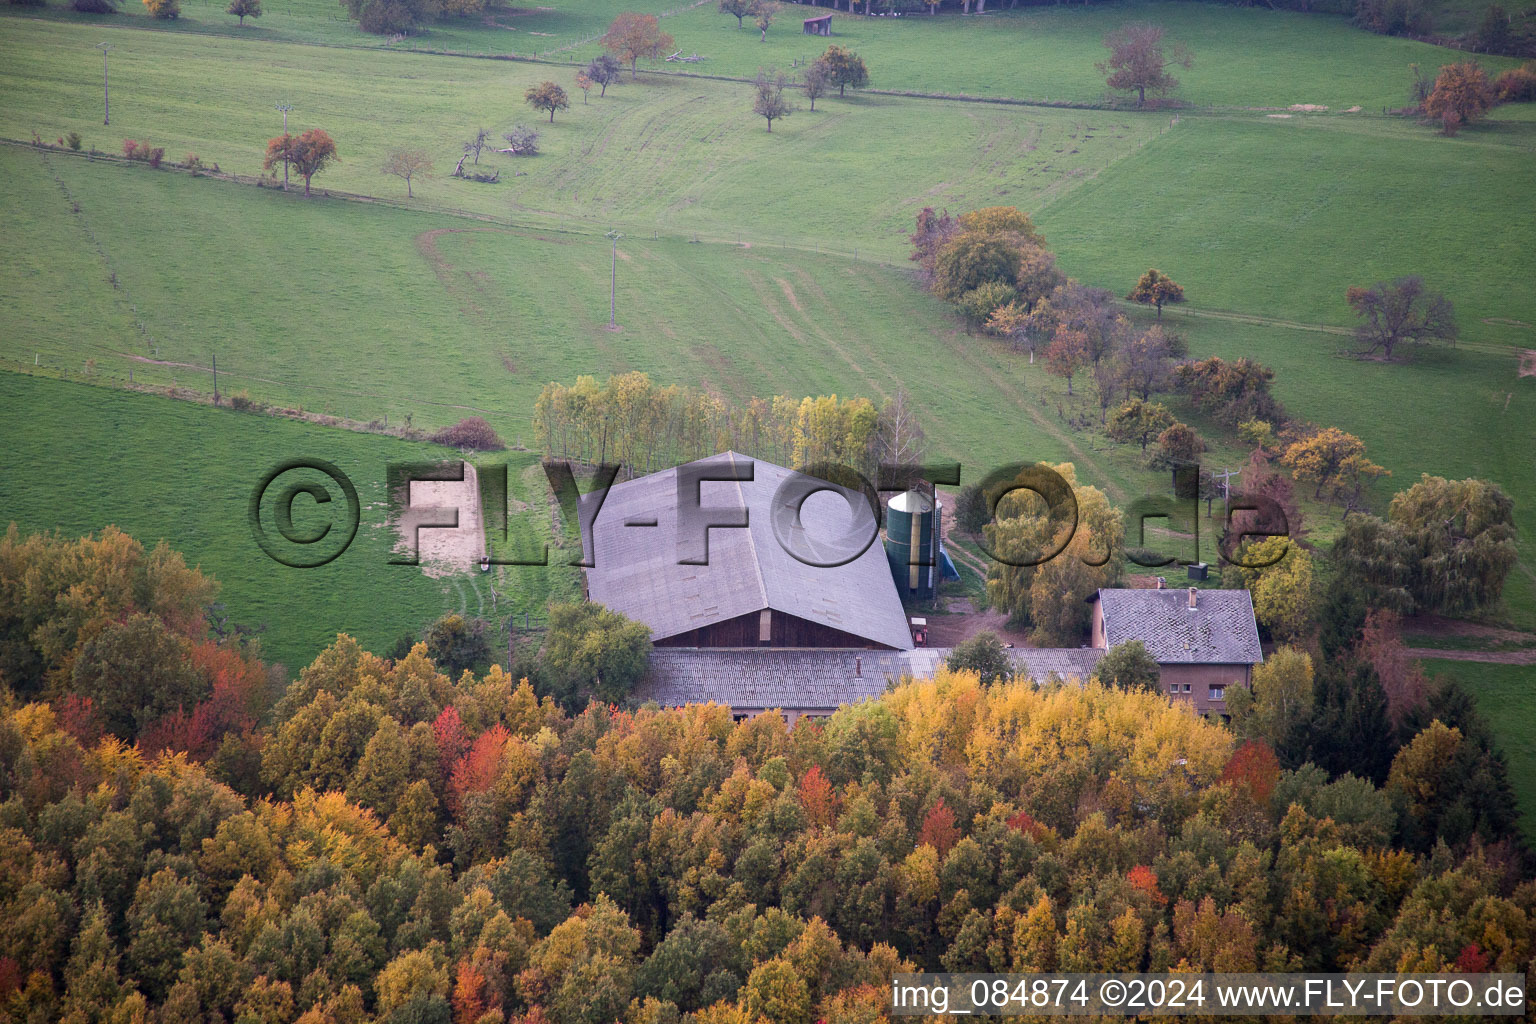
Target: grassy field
[[1243, 56], [1504, 695], [674, 155], [449, 317], [1247, 57], [500, 30], [78, 458]]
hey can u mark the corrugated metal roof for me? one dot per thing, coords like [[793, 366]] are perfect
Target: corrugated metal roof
[[636, 571], [757, 678], [1219, 630]]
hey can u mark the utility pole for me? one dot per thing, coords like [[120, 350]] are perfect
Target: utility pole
[[106, 99], [1226, 489], [613, 279], [283, 108]]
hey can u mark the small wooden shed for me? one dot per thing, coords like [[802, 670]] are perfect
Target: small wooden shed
[[821, 26]]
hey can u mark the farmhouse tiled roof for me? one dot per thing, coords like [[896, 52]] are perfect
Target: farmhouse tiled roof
[[636, 571], [1218, 630], [757, 678]]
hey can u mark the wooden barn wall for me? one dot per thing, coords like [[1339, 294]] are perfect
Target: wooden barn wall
[[787, 631]]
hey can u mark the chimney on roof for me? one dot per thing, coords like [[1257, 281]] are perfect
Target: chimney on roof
[[1192, 595], [858, 666]]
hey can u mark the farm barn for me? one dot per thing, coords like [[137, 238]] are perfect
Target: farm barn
[[757, 629]]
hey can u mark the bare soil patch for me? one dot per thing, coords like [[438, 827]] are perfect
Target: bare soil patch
[[1527, 363], [1527, 657], [962, 622], [443, 551]]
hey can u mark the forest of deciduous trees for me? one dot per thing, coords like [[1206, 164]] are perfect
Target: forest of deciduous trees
[[385, 843]]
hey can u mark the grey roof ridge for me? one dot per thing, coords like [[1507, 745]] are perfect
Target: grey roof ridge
[[757, 563]]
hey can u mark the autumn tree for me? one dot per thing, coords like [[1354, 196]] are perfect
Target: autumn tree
[[585, 84], [387, 17], [844, 68], [768, 100], [1044, 569], [1128, 666], [1331, 459], [1139, 422], [1279, 700], [1283, 590], [604, 70], [164, 9], [766, 9], [1178, 444], [1231, 392], [1138, 64], [243, 9], [816, 81], [1156, 288], [1145, 363], [308, 154], [973, 259], [1449, 790], [738, 9], [1461, 95], [406, 164], [546, 96], [983, 654], [632, 36], [1403, 311], [1067, 354]]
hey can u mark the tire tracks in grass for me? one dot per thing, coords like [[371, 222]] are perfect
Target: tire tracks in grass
[[1019, 397]]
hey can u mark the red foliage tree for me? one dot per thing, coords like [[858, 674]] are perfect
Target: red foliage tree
[[1145, 879], [818, 797], [1254, 767], [476, 771], [307, 154], [939, 829], [469, 993], [448, 731], [1025, 824], [1473, 960], [78, 717], [1404, 681]]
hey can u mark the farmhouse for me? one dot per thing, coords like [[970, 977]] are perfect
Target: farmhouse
[[757, 628], [1202, 640]]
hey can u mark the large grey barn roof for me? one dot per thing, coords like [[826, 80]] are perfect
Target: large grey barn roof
[[757, 678], [635, 568], [1219, 630]]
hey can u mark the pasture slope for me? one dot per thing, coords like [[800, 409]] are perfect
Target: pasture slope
[[79, 458]]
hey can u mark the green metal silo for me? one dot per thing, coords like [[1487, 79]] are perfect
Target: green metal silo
[[911, 524]]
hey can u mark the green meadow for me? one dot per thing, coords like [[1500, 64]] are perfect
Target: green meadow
[[1503, 694], [78, 458], [1244, 57]]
